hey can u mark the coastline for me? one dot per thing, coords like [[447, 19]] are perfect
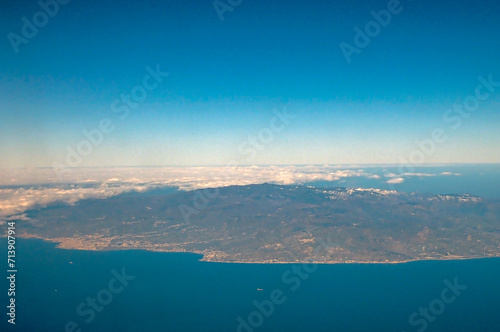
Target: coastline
[[211, 256]]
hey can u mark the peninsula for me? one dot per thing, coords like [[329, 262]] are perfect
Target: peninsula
[[269, 223]]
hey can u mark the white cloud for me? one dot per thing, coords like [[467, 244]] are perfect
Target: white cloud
[[395, 180], [41, 187], [418, 174], [16, 201], [450, 173], [26, 189]]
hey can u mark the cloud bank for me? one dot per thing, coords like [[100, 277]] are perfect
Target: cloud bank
[[25, 189]]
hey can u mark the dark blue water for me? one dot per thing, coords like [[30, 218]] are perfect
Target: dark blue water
[[176, 292]]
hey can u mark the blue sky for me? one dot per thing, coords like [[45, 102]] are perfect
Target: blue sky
[[226, 78]]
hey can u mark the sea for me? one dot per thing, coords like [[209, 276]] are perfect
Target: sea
[[475, 179], [135, 290]]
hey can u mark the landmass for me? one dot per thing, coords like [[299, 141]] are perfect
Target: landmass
[[269, 223]]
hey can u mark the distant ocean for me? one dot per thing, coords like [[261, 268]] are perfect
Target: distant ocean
[[480, 180], [150, 291]]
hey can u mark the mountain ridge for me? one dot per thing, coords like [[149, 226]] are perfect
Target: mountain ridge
[[269, 223]]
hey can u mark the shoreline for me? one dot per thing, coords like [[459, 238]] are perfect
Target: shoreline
[[58, 244]]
